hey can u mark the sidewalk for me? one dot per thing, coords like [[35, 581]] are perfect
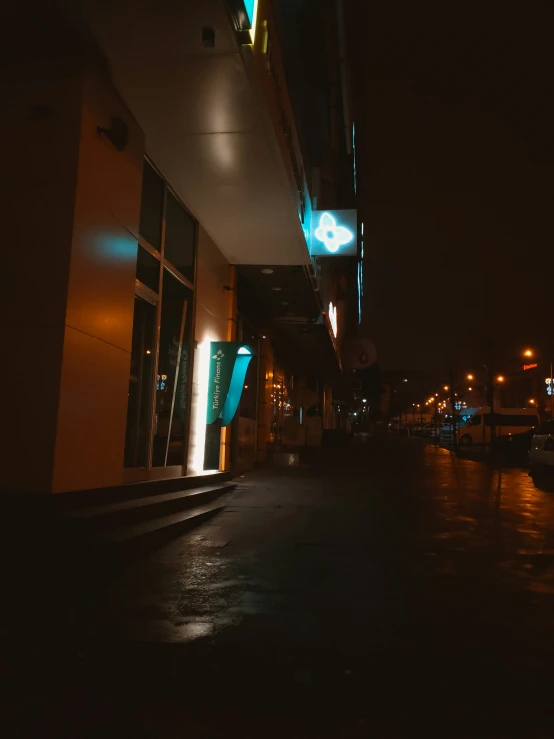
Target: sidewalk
[[382, 590]]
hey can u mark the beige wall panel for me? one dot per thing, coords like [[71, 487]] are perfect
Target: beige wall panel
[[102, 275], [38, 239], [39, 123], [29, 402], [92, 414], [112, 177], [40, 117], [212, 275], [39, 126], [212, 302], [107, 208]]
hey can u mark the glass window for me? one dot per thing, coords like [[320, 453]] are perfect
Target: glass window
[[151, 206], [180, 237], [148, 269], [475, 420], [517, 419], [140, 385], [173, 373]]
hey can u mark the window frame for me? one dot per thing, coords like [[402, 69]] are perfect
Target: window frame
[[157, 298]]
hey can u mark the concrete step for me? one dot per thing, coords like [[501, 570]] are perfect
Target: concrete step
[[133, 540], [127, 513], [80, 499]]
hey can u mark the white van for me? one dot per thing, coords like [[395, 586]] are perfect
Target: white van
[[477, 429]]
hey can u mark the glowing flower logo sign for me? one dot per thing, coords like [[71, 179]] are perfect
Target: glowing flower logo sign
[[333, 236], [334, 233]]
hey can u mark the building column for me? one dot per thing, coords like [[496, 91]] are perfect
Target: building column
[[94, 386], [265, 402], [228, 432]]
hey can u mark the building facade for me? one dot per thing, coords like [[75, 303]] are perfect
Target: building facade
[[160, 217]]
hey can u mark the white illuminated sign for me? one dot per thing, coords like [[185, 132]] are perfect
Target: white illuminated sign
[[334, 233], [549, 386], [333, 318]]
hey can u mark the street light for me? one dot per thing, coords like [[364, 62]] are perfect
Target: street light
[[532, 402], [445, 387], [499, 378], [470, 389], [530, 353], [470, 377]]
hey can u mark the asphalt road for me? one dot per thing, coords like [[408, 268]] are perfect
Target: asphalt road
[[388, 589]]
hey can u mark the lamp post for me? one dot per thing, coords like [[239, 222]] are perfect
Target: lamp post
[[529, 354], [490, 383]]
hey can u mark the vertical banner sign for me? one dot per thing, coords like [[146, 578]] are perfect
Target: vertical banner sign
[[229, 362]]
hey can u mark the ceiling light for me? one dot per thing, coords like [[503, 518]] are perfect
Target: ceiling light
[[267, 271], [277, 289], [285, 302]]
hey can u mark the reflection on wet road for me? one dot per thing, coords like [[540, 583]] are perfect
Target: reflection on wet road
[[404, 546], [385, 590]]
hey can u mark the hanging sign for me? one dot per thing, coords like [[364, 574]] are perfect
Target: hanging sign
[[229, 362], [334, 233]]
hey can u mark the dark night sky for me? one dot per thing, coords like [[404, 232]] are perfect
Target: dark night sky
[[455, 161]]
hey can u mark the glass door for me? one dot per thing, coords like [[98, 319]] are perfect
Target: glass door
[[172, 386], [140, 383]]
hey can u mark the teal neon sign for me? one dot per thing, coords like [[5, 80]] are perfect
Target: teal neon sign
[[249, 6], [229, 362], [251, 13], [334, 233]]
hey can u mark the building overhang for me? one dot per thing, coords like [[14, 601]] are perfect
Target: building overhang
[[284, 299], [208, 125]]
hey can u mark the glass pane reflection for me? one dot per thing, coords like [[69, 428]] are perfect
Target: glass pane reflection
[[173, 373]]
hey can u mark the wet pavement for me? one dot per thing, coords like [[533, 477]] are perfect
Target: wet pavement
[[387, 589]]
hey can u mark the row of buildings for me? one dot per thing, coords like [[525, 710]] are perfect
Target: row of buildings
[[185, 257]]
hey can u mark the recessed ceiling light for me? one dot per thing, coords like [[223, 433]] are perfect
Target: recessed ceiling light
[[285, 302], [267, 271], [277, 289]]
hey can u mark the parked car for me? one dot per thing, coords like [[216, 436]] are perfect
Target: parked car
[[515, 447], [541, 459]]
